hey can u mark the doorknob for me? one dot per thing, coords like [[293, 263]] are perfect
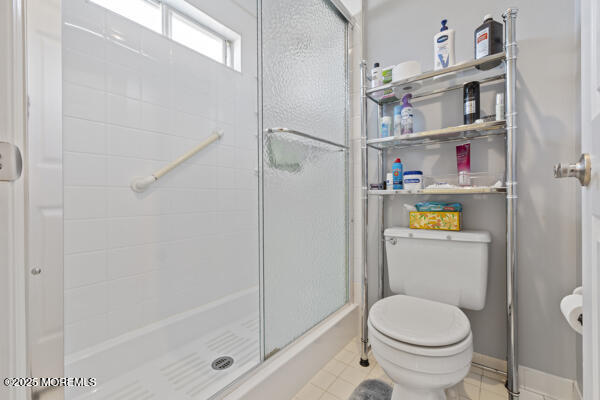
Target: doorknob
[[581, 170]]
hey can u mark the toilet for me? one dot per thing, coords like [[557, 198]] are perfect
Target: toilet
[[419, 336]]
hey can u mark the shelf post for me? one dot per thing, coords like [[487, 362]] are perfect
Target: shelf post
[[380, 210], [364, 355], [510, 42]]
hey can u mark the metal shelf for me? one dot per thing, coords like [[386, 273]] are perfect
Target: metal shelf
[[439, 81], [461, 132], [433, 191]]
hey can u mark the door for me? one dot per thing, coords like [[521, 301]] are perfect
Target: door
[[304, 168], [44, 199], [590, 196]]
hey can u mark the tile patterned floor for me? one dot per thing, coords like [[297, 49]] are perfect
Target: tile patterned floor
[[338, 378]]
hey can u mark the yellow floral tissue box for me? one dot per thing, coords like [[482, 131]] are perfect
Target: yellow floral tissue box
[[439, 220]]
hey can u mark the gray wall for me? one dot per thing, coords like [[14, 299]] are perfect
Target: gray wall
[[548, 118]]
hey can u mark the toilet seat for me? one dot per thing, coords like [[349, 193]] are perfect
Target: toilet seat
[[426, 351], [419, 322]]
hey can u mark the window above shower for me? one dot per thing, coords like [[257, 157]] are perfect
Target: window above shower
[[183, 23]]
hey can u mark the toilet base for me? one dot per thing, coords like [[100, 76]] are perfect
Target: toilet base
[[404, 393]]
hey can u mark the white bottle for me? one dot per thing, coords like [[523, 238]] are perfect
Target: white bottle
[[376, 78], [500, 107], [443, 47], [386, 126]]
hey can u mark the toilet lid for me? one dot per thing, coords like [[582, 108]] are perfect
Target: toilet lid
[[418, 321]]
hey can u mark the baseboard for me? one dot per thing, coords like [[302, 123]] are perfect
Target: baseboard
[[533, 380], [577, 395]]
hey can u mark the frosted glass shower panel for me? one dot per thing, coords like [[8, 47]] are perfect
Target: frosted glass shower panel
[[304, 67], [305, 180]]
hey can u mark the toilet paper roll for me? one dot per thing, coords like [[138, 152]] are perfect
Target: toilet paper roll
[[572, 307], [578, 290], [402, 71]]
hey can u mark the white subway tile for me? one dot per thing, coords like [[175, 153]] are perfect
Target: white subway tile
[[123, 81], [124, 111], [85, 269], [85, 235], [226, 178], [191, 200], [124, 202], [81, 202], [85, 14], [193, 126], [85, 302], [156, 46], [125, 291], [85, 333], [118, 53], [156, 84], [84, 70], [84, 169], [156, 118], [121, 171], [246, 179], [81, 135], [136, 230], [127, 261], [129, 142], [84, 37], [125, 319], [121, 30], [246, 158], [84, 102]]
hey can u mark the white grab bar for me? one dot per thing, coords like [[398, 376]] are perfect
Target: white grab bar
[[141, 183]]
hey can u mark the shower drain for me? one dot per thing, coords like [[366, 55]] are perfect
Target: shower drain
[[221, 363]]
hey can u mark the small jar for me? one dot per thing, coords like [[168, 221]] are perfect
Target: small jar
[[413, 180]]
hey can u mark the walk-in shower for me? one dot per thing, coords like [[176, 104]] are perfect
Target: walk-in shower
[[198, 187]]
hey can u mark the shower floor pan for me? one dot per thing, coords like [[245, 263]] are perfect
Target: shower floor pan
[[188, 372]]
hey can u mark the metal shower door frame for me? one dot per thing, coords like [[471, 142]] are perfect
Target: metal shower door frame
[[338, 4]]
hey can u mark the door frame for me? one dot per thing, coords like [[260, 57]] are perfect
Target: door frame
[[12, 198], [590, 20]]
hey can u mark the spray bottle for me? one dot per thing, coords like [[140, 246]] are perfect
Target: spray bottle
[[406, 121]]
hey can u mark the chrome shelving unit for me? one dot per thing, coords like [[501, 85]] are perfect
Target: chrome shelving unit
[[434, 83], [454, 133]]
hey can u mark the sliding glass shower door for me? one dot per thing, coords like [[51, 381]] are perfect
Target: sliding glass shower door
[[304, 166]]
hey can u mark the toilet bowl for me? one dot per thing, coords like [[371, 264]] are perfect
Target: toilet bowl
[[424, 346]]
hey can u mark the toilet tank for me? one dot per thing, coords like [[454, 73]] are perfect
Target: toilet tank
[[449, 267]]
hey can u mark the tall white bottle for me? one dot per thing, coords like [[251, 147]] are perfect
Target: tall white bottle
[[443, 47]]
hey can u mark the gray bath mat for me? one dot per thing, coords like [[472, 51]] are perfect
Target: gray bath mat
[[372, 389]]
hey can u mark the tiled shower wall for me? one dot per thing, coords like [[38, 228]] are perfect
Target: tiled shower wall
[[133, 101]]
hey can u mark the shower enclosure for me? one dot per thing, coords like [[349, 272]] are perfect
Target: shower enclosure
[[177, 287]]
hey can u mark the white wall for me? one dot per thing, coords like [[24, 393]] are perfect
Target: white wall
[[134, 101], [547, 132]]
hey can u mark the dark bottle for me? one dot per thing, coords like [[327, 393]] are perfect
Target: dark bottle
[[471, 102], [488, 41]]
